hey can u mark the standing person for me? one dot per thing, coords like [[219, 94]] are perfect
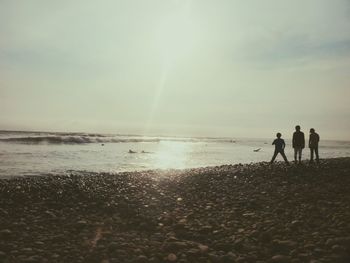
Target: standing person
[[313, 145], [298, 143], [279, 148]]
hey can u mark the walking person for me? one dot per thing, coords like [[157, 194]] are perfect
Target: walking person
[[279, 148], [298, 143], [313, 145]]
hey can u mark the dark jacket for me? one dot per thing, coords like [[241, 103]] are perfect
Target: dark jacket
[[298, 139], [313, 140], [279, 144]]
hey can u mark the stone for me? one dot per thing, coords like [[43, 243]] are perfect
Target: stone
[[39, 243], [81, 223], [227, 259], [142, 259], [172, 246], [203, 248], [2, 255], [265, 237], [172, 257], [138, 251], [338, 249], [240, 259], [280, 259], [193, 251], [113, 246], [27, 249], [284, 245], [33, 259], [5, 233], [303, 256]]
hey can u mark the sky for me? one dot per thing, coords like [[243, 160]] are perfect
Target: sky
[[176, 67]]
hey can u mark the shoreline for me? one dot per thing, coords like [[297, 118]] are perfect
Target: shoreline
[[170, 171], [232, 213]]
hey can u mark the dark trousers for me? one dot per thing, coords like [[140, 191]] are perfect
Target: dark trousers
[[297, 153], [312, 151], [277, 152]]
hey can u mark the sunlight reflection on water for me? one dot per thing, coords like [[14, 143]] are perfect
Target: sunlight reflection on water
[[172, 154]]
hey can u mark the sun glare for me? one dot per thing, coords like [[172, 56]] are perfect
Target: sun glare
[[172, 154]]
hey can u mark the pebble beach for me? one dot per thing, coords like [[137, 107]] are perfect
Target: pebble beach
[[233, 213]]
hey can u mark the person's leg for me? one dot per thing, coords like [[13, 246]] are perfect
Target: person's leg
[[284, 156], [316, 153], [274, 156], [295, 154], [300, 154], [311, 154]]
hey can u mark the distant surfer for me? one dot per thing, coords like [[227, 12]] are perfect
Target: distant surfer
[[131, 151], [256, 150], [145, 151]]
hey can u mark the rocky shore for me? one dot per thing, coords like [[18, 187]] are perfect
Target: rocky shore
[[232, 213]]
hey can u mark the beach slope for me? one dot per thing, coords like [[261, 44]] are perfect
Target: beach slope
[[232, 213]]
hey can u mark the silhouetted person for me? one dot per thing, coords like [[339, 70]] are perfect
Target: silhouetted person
[[313, 145], [298, 143], [279, 148]]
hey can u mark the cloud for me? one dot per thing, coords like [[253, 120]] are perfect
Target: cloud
[[291, 51]]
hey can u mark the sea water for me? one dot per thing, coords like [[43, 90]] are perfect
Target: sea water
[[42, 153]]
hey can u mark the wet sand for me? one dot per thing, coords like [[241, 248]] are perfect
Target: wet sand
[[233, 213]]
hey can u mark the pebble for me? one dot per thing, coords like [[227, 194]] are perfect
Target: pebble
[[81, 223], [113, 246], [203, 248], [284, 245], [338, 249], [5, 233], [142, 259], [172, 257], [27, 249], [280, 259], [33, 259]]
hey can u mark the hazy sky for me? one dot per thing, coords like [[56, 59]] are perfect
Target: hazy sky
[[201, 67]]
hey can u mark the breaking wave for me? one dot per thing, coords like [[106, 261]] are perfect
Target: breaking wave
[[99, 139], [23, 137], [72, 140]]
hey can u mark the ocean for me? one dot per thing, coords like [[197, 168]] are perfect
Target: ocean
[[50, 153]]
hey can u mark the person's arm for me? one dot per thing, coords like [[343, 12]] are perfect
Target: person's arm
[[283, 144], [309, 140], [273, 142]]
